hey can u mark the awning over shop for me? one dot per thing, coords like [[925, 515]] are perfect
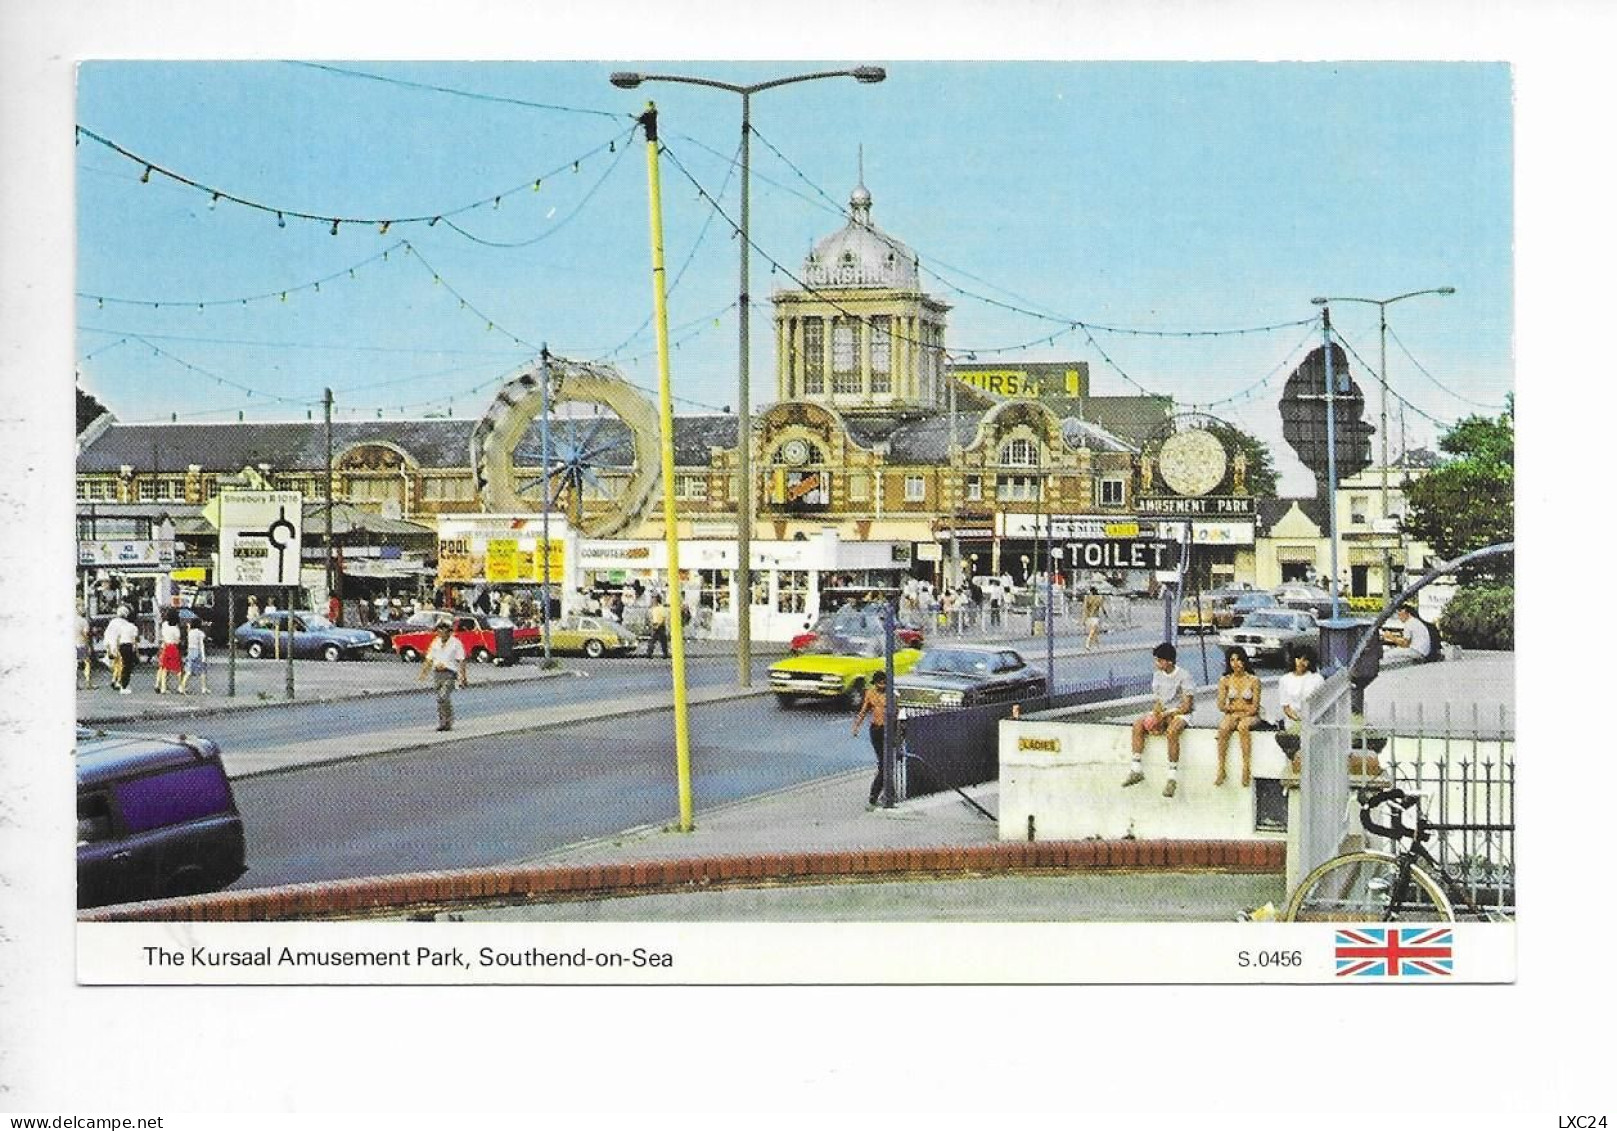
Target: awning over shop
[[1295, 554]]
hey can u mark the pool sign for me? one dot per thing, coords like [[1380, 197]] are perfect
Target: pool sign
[[260, 537]]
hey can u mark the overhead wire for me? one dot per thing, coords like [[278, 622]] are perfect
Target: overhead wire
[[1425, 373]]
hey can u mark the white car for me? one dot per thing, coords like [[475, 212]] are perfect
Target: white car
[[1271, 634]]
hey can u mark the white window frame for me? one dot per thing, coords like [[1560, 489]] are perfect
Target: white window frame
[[915, 488], [1113, 485]]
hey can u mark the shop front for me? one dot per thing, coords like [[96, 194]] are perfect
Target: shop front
[[792, 581]]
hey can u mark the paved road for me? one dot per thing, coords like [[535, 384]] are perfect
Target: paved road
[[491, 800]]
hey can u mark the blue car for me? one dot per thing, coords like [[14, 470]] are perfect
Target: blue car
[[157, 818], [309, 635]]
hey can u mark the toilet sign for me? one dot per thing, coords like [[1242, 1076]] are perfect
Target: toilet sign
[[260, 537], [1121, 553]]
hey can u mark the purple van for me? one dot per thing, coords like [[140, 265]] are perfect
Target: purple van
[[156, 818]]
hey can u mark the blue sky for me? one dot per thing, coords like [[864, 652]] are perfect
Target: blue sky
[[1044, 199]]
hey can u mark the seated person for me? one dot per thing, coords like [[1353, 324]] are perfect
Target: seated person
[[1240, 695], [1295, 688], [1410, 637], [1169, 714]]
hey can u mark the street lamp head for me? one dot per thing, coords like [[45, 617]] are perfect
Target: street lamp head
[[1319, 301], [869, 74], [627, 80], [1445, 290]]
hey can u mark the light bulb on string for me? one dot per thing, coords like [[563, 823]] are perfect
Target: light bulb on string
[[496, 204], [430, 223], [382, 230], [334, 224], [146, 177], [213, 202], [537, 183], [280, 220]]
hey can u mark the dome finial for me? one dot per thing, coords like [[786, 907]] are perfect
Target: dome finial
[[859, 202]]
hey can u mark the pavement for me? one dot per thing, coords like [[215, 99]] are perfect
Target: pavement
[[828, 815]]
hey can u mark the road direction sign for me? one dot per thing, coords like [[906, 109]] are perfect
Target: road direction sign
[[260, 537]]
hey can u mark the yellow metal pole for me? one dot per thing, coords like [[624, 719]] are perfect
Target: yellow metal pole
[[676, 602]]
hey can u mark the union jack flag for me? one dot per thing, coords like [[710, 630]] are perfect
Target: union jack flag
[[1394, 952]]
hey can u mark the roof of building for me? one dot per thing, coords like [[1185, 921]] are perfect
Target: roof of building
[[1271, 511], [861, 255], [1132, 420]]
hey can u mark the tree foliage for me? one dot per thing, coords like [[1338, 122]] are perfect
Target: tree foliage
[[1261, 478], [1469, 501]]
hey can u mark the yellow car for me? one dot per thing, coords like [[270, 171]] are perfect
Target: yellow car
[[1214, 612], [834, 668], [593, 636]]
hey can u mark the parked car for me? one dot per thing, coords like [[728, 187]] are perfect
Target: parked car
[[310, 635], [156, 818], [1310, 597], [592, 635], [1208, 612], [860, 624], [415, 622], [969, 677], [1271, 634], [834, 667], [479, 633], [1249, 601]]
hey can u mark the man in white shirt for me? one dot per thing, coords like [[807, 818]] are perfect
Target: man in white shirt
[[1411, 638], [1169, 714], [119, 643], [446, 660]]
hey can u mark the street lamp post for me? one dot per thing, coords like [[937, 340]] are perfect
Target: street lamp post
[[1381, 304], [628, 80]]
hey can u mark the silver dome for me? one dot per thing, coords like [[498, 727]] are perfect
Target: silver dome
[[860, 254]]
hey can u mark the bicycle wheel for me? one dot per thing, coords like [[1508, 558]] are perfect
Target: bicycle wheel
[[1358, 888]]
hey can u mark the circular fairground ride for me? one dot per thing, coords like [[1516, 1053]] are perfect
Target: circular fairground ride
[[601, 465]]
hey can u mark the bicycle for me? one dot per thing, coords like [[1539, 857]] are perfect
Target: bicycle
[[1369, 886]]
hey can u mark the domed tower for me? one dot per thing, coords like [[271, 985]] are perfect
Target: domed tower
[[861, 335]]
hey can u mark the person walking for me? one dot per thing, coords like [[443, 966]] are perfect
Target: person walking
[[168, 652], [196, 659], [85, 653], [119, 643], [874, 707], [446, 660], [659, 626], [1093, 606], [252, 609]]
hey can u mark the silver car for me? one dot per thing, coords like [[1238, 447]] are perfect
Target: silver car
[[1271, 634]]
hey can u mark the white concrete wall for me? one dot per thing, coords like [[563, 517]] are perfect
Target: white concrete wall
[[1069, 777]]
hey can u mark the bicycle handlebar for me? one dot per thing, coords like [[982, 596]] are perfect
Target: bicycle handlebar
[[1369, 802]]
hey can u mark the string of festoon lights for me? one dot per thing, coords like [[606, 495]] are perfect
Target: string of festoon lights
[[282, 294], [1070, 325], [1365, 366], [1425, 373], [334, 223], [673, 284]]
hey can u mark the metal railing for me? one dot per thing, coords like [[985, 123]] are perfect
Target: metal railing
[[1464, 769]]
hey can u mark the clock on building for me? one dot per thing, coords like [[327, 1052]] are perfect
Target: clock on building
[[1192, 463], [794, 452]]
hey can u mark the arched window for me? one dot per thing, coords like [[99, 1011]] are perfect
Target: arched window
[[1019, 452]]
